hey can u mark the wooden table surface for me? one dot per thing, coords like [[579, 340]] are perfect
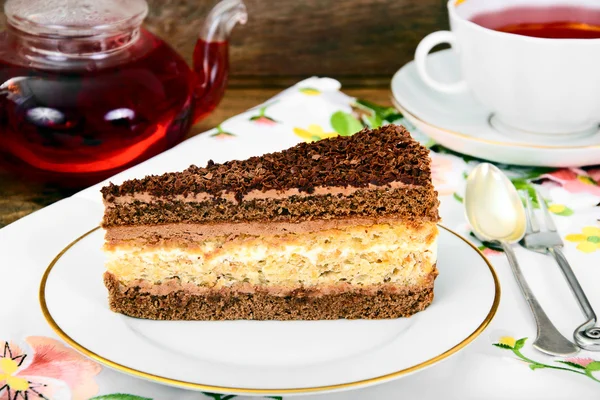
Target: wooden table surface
[[18, 198]]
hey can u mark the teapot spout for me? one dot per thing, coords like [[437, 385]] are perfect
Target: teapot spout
[[211, 55]]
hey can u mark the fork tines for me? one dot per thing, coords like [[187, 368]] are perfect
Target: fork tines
[[533, 225]]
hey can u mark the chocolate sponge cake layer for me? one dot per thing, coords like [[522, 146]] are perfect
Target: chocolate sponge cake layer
[[373, 173], [379, 302], [412, 203]]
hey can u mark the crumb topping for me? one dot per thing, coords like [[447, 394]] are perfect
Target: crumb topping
[[378, 157]]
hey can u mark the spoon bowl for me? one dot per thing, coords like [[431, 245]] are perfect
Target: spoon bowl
[[493, 206]]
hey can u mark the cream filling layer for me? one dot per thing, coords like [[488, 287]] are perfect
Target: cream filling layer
[[257, 194], [289, 265]]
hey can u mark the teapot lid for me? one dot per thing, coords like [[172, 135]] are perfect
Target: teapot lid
[[75, 17]]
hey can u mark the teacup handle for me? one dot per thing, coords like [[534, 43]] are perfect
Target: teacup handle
[[423, 49]]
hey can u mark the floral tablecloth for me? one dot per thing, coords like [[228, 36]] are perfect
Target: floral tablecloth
[[500, 364]]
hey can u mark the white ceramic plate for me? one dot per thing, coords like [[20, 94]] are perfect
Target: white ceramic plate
[[269, 357], [460, 123]]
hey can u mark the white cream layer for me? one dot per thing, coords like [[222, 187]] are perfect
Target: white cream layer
[[288, 265]]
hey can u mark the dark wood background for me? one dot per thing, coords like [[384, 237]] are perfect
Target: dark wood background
[[360, 42]]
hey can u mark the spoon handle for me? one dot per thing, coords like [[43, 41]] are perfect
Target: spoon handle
[[587, 336], [549, 340]]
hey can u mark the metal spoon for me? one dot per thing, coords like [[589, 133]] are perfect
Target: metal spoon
[[496, 213]]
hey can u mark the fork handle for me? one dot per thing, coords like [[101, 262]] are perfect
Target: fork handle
[[587, 336], [549, 340]]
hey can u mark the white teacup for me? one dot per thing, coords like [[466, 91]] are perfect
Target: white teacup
[[532, 85]]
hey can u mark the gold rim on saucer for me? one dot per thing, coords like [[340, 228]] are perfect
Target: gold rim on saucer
[[410, 115], [197, 386]]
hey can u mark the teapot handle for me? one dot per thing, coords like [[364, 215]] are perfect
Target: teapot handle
[[211, 59], [221, 20]]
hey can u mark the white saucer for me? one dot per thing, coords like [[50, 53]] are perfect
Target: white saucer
[[460, 123], [269, 357]]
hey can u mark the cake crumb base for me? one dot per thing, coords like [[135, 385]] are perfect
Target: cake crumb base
[[182, 305]]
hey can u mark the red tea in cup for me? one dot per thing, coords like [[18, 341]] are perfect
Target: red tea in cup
[[553, 22]]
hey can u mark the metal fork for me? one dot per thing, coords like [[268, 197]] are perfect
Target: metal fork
[[587, 335]]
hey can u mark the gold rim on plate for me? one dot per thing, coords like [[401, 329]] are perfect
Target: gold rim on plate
[[197, 386], [412, 116]]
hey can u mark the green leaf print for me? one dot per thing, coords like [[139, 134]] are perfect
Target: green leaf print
[[120, 396], [489, 245], [217, 396], [437, 148], [533, 367], [572, 364], [389, 114], [593, 366], [525, 173], [458, 197], [520, 343], [524, 186], [373, 121], [345, 124]]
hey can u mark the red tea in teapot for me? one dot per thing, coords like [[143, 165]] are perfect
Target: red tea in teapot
[[101, 120], [80, 108]]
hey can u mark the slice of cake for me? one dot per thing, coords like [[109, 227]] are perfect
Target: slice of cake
[[340, 228]]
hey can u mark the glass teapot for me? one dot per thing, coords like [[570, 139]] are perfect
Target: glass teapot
[[85, 91]]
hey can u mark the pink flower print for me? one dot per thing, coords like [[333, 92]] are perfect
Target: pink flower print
[[579, 361], [439, 167], [574, 181], [44, 368], [563, 175], [594, 173], [264, 120], [441, 174], [221, 134], [490, 252]]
